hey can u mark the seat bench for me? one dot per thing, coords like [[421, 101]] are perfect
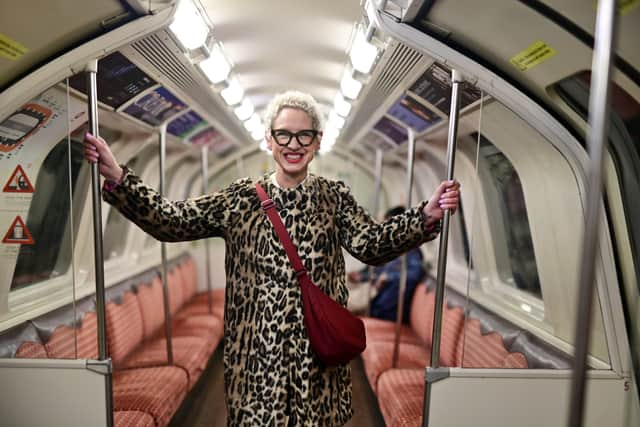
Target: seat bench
[[481, 340], [147, 391]]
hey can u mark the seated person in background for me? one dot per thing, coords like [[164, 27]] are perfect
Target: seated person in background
[[386, 281]]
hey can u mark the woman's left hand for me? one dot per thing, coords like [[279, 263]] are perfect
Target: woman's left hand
[[446, 196]]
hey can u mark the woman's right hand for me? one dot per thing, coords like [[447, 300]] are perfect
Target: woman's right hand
[[97, 150]]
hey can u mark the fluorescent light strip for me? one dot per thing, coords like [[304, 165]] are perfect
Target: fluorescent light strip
[[258, 133], [189, 26], [245, 110], [349, 86], [233, 93], [341, 106], [216, 67], [252, 123], [336, 120], [362, 53]]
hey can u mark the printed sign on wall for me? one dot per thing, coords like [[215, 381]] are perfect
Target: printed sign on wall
[[17, 128], [185, 124], [156, 107], [29, 136], [18, 182], [18, 233], [118, 80]]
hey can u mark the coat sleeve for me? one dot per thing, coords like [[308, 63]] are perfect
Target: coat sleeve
[[376, 243], [173, 221]]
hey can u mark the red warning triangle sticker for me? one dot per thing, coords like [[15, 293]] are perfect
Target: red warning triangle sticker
[[18, 182], [18, 233]]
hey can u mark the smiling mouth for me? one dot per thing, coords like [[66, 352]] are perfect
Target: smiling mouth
[[293, 157]]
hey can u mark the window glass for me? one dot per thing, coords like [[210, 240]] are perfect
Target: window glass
[[624, 143], [624, 149], [115, 230], [222, 179], [169, 178], [519, 268], [48, 218], [528, 222]]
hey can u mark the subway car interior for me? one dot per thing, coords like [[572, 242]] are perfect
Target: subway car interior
[[529, 313]]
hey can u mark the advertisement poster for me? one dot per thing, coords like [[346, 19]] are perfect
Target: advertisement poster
[[19, 169], [118, 80], [434, 86], [185, 124], [156, 107], [211, 138], [20, 125], [413, 114], [393, 131]]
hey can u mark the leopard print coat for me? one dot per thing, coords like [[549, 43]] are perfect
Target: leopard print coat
[[272, 377]]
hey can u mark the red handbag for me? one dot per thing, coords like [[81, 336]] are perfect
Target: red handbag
[[336, 335]]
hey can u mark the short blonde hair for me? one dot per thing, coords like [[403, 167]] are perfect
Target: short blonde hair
[[293, 99]]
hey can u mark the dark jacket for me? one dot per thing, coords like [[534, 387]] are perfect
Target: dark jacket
[[385, 303]]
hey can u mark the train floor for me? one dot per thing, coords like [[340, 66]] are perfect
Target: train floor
[[206, 407]]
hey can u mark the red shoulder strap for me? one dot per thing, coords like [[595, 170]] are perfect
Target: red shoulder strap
[[270, 208]]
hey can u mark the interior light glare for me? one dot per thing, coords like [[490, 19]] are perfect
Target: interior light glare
[[245, 110], [341, 106], [326, 145], [216, 67], [349, 86], [258, 133], [363, 54], [330, 133], [336, 120], [264, 147], [252, 123], [233, 93], [189, 26]]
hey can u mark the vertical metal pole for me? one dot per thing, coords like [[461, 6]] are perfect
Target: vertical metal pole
[[207, 262], [456, 79], [411, 154], [163, 250], [92, 91], [375, 207], [375, 203], [597, 139]]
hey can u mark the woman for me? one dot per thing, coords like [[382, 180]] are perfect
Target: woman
[[271, 375]]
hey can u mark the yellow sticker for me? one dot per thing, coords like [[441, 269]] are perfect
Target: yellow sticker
[[625, 6], [10, 48], [535, 54]]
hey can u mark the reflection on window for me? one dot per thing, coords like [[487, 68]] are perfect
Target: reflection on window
[[624, 147], [624, 144], [48, 219], [519, 269], [115, 230], [150, 241], [462, 229]]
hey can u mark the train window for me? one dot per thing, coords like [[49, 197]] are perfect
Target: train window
[[624, 144], [623, 196], [171, 180], [49, 217], [517, 266], [526, 218], [115, 229], [225, 177]]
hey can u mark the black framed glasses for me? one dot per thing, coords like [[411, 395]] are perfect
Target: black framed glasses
[[304, 137]]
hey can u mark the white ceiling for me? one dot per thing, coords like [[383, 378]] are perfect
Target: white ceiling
[[285, 44]]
